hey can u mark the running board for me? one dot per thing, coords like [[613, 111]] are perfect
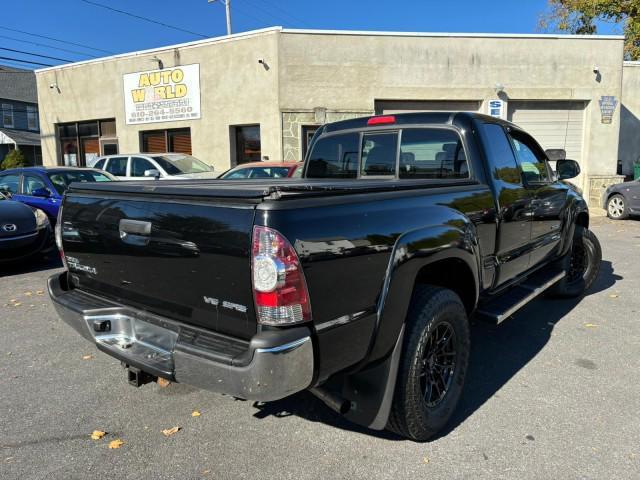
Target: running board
[[517, 297]]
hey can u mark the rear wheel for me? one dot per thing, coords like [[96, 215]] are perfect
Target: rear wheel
[[617, 207], [433, 365], [581, 264]]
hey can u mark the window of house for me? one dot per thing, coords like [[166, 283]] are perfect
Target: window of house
[[80, 143], [166, 141], [32, 118], [247, 144], [7, 115], [432, 153]]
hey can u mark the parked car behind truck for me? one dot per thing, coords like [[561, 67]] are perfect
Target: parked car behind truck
[[356, 281]]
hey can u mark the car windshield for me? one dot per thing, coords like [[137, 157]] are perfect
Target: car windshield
[[61, 180], [181, 164], [256, 172]]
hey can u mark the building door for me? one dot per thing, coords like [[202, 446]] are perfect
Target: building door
[[90, 151], [307, 134], [554, 124], [247, 144], [383, 107]]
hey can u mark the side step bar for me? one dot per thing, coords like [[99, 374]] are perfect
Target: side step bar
[[506, 305]]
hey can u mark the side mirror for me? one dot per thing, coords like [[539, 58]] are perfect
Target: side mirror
[[152, 172], [567, 169], [41, 192]]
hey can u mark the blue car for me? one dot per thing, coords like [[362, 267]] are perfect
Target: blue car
[[43, 187]]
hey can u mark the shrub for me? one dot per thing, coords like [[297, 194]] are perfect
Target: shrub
[[13, 159]]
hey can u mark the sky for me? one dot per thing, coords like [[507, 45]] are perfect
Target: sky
[[91, 31]]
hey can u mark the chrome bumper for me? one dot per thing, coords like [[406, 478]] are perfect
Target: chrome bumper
[[275, 364]]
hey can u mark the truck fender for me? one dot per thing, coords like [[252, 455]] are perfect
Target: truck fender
[[371, 389]]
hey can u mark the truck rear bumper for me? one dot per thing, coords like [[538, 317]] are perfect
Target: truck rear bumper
[[273, 365]]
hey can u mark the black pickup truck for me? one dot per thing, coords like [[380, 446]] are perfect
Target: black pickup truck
[[355, 282]]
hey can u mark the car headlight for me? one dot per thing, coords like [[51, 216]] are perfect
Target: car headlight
[[42, 220]]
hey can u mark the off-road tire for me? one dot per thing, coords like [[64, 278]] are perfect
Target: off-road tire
[[617, 203], [574, 285], [431, 308]]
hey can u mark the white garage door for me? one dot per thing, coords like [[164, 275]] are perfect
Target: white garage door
[[402, 106], [552, 124]]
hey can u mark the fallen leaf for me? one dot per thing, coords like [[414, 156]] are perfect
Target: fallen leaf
[[87, 357], [204, 472], [28, 294], [117, 443], [195, 413], [614, 295], [590, 325], [97, 434], [13, 300], [17, 304], [39, 292], [170, 431], [163, 382], [425, 459]]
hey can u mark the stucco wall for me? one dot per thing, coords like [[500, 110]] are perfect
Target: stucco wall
[[629, 146], [234, 89], [349, 72]]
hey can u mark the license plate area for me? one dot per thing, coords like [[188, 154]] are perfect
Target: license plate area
[[141, 342]]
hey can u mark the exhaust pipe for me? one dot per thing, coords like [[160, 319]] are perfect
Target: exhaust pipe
[[335, 402]]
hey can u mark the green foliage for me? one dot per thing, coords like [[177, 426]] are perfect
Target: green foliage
[[579, 16], [13, 159]]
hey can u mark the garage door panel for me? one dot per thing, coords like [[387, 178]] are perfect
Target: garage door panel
[[552, 124]]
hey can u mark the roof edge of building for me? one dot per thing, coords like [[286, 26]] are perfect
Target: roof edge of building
[[136, 53], [450, 34]]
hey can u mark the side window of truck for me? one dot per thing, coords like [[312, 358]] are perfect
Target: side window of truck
[[531, 158], [432, 153], [334, 156], [501, 158]]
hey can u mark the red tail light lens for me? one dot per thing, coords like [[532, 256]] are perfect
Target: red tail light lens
[[279, 287], [383, 120]]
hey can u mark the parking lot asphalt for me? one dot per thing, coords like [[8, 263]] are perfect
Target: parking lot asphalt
[[552, 393]]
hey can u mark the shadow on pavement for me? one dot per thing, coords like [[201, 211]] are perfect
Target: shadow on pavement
[[497, 354]]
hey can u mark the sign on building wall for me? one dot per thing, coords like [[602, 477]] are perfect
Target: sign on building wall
[[496, 108], [607, 107], [165, 95]]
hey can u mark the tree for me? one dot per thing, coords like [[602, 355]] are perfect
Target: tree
[[13, 159], [580, 17]]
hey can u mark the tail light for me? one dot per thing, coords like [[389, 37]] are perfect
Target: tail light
[[279, 289], [58, 235]]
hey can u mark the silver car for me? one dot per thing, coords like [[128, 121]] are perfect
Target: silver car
[[140, 166]]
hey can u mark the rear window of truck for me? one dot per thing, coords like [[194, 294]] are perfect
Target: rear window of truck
[[433, 153]]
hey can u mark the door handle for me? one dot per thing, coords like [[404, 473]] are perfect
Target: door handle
[[134, 232]]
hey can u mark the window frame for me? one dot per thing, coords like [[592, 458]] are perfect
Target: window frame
[[32, 114], [110, 159], [23, 178], [509, 131], [153, 164], [7, 109], [399, 129]]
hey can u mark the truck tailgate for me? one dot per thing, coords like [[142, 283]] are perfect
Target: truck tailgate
[[183, 258]]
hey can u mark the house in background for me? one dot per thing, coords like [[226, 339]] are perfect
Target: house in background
[[19, 123]]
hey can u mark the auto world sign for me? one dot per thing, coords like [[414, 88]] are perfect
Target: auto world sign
[[166, 95]]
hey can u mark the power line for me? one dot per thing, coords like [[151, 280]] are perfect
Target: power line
[[35, 54], [139, 17], [57, 40], [26, 61], [283, 12], [48, 46]]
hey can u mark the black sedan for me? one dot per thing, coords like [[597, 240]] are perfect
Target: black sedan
[[25, 232], [622, 200]]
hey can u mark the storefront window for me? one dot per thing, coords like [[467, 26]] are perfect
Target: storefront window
[[161, 141], [80, 143], [247, 143]]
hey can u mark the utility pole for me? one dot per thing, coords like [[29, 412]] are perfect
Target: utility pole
[[227, 5]]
